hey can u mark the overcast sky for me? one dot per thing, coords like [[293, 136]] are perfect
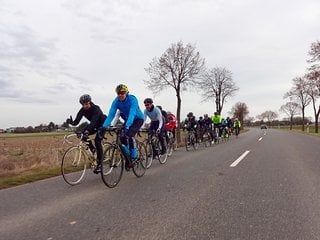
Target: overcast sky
[[53, 51]]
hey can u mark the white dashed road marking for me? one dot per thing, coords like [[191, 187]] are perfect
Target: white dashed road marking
[[235, 163], [260, 139]]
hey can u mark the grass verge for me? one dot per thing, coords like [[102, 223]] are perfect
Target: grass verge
[[28, 177]]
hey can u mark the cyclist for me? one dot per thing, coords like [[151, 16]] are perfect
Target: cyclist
[[216, 119], [237, 126], [229, 125], [132, 115], [171, 125], [191, 124], [224, 125], [208, 125], [157, 122], [96, 117]]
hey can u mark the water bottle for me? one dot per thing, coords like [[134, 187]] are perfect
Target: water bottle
[[125, 150]]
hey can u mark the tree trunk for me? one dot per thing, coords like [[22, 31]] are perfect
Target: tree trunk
[[302, 119], [178, 117], [291, 119]]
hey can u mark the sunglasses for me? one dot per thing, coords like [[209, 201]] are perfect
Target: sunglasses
[[147, 104], [122, 93]]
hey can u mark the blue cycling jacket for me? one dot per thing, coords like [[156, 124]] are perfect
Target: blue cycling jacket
[[129, 111]]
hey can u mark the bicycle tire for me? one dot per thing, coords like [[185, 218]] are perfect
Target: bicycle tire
[[140, 166], [112, 166], [161, 157], [149, 154], [187, 142], [73, 165], [195, 144]]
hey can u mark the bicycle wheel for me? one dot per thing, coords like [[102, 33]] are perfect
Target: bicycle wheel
[[149, 154], [161, 157], [194, 143], [187, 142], [73, 165], [140, 166], [170, 144], [112, 166]]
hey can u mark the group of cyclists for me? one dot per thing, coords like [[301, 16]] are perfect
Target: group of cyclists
[[126, 106], [215, 126]]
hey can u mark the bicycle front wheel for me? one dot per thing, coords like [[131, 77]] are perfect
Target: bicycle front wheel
[[149, 154], [112, 166], [140, 165], [188, 142], [73, 165], [161, 157]]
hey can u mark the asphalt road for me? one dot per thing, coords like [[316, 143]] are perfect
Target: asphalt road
[[254, 187]]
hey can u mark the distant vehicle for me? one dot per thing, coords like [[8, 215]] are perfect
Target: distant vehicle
[[263, 126]]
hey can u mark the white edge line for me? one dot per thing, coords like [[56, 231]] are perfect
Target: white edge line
[[235, 163], [260, 139]]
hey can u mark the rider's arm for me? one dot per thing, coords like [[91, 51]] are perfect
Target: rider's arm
[[112, 113], [133, 108], [94, 121], [78, 118]]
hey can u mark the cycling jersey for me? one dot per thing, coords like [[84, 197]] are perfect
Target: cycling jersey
[[154, 115], [172, 122], [237, 124], [129, 111], [93, 114], [216, 119]]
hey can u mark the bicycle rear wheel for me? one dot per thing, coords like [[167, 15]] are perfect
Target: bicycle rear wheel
[[73, 165], [112, 166], [140, 166]]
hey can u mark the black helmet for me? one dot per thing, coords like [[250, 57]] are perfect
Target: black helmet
[[85, 98], [148, 100], [190, 114]]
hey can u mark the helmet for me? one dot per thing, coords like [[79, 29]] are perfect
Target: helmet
[[205, 115], [148, 100], [121, 88], [190, 114], [215, 113], [85, 98]]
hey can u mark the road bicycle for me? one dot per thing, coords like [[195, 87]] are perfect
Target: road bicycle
[[154, 148], [78, 158], [236, 131], [206, 136], [116, 157], [225, 135], [190, 140], [172, 142], [216, 134]]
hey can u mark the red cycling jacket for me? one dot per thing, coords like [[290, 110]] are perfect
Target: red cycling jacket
[[172, 122]]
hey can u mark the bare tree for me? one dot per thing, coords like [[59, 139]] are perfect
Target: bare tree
[[178, 68], [291, 109], [314, 53], [217, 85], [313, 80], [268, 115], [240, 110], [299, 93]]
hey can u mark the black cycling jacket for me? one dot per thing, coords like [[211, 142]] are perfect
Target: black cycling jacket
[[94, 115]]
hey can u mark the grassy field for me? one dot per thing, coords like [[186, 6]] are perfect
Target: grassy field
[[29, 157]]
